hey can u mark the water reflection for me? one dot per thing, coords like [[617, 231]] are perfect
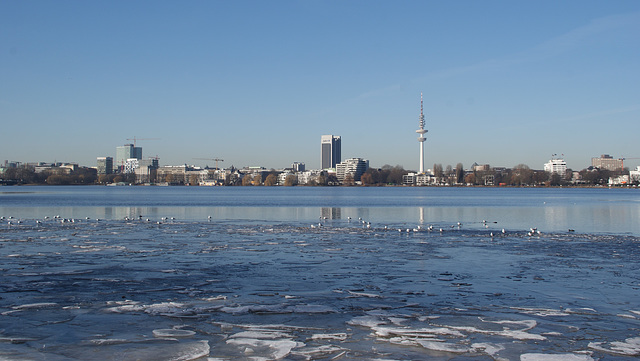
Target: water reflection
[[331, 213], [607, 217]]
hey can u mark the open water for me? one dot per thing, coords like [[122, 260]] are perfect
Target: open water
[[259, 273]]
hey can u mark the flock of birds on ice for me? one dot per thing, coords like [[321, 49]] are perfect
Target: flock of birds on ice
[[430, 228], [533, 231]]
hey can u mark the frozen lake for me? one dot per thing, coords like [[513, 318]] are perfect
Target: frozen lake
[[295, 274]]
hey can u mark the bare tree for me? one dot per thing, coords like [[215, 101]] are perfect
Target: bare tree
[[271, 180]]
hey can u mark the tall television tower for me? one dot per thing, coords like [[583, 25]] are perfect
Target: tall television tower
[[421, 138]]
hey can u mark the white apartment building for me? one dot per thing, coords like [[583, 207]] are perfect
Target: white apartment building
[[558, 166], [353, 166]]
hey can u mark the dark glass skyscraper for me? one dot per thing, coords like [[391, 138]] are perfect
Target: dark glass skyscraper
[[330, 151]]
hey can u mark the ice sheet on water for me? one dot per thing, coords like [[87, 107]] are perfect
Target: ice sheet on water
[[439, 336], [443, 346], [331, 352], [544, 312], [173, 333], [329, 336], [456, 292], [36, 306], [265, 349], [554, 357], [261, 335], [277, 309], [181, 351], [628, 347]]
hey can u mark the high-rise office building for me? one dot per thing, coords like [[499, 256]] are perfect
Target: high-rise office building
[[298, 166], [330, 151], [127, 151], [105, 165]]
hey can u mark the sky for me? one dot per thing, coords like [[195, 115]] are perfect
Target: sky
[[257, 83]]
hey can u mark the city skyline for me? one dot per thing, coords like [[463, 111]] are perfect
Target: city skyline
[[253, 83]]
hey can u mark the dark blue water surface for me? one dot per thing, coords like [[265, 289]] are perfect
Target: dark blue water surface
[[98, 196]]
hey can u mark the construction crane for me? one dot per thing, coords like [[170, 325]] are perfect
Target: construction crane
[[136, 139], [623, 159], [215, 159]]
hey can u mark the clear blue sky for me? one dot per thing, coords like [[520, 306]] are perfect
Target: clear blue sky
[[258, 82]]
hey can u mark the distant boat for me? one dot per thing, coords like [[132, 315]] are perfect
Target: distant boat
[[117, 184]]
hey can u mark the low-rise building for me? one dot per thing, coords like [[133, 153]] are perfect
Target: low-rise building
[[308, 176], [619, 180], [634, 175]]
